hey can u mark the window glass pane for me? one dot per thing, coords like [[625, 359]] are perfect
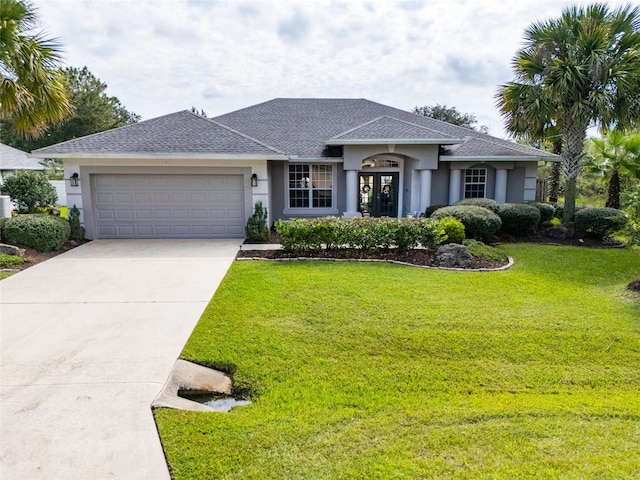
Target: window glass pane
[[475, 183], [313, 182]]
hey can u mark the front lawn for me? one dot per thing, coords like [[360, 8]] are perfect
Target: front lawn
[[377, 371]]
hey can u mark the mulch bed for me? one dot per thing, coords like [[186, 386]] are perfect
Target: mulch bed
[[418, 257], [36, 257]]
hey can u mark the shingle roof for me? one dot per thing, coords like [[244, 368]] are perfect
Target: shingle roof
[[302, 126], [14, 159], [299, 127], [176, 133], [391, 128]]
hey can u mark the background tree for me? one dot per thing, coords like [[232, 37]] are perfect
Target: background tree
[[92, 111], [30, 190], [32, 93], [451, 115], [581, 69], [615, 159]]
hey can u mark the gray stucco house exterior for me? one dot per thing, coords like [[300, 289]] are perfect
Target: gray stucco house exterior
[[183, 175]]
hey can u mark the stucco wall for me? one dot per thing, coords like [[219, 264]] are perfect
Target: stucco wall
[[81, 196]]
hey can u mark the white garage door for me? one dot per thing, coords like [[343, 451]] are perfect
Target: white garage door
[[169, 206]]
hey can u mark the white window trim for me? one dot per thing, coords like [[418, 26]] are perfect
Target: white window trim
[[485, 183], [317, 211]]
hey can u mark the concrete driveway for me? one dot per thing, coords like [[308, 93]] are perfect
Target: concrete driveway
[[87, 340]]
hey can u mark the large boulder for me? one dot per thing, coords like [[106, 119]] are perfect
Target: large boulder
[[452, 255], [11, 250]]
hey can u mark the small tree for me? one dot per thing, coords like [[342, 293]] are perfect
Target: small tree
[[30, 190], [257, 228], [77, 230]]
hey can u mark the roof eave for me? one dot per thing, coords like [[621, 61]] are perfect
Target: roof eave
[[499, 158], [164, 156], [394, 141]]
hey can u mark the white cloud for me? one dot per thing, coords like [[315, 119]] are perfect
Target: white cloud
[[160, 56]]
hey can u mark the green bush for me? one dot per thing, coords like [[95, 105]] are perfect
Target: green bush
[[365, 233], [454, 229], [600, 221], [2, 223], [519, 218], [559, 210], [77, 230], [429, 211], [44, 233], [487, 203], [479, 222], [481, 250], [257, 228], [10, 261], [30, 190], [547, 211]]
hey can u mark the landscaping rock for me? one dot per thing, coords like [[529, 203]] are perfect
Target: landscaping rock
[[634, 286], [561, 232], [11, 250], [452, 255]]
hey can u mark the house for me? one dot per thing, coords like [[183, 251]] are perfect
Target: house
[[183, 175], [12, 159]]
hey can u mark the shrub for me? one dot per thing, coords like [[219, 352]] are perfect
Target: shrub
[[365, 233], [519, 218], [77, 230], [547, 211], [429, 211], [2, 223], [559, 210], [487, 203], [257, 228], [599, 221], [44, 233], [453, 228], [10, 261], [478, 222], [30, 190], [481, 250]]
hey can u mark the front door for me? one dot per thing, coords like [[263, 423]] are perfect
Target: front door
[[378, 194]]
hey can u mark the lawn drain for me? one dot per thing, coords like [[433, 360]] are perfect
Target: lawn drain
[[216, 401]]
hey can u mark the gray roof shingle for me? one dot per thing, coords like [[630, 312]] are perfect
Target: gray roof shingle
[[391, 128], [299, 127], [176, 133], [14, 159]]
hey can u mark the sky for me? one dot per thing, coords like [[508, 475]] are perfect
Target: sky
[[162, 56]]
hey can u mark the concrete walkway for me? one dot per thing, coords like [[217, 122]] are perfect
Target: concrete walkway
[[87, 340]]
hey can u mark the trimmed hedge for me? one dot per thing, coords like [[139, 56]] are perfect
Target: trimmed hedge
[[454, 229], [559, 210], [44, 233], [519, 218], [366, 233], [599, 221], [479, 222], [429, 211], [487, 203], [547, 211]]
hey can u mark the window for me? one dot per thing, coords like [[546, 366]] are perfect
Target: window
[[310, 186], [475, 183], [379, 163]]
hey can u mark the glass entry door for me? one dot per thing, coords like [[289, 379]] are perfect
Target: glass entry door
[[378, 194]]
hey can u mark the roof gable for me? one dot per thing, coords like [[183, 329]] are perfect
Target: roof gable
[[177, 133], [392, 128], [14, 159]]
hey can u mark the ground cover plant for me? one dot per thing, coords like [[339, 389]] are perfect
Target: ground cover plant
[[378, 371]]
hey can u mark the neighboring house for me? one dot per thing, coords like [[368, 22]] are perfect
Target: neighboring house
[[12, 159], [183, 175]]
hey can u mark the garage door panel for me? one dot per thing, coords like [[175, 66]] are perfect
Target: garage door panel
[[169, 206]]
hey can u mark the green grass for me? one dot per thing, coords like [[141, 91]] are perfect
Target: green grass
[[4, 275], [11, 261], [376, 371]]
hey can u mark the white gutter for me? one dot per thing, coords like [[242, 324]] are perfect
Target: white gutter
[[500, 158], [396, 141], [157, 156]]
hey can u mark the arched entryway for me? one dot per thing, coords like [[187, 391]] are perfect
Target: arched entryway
[[379, 186]]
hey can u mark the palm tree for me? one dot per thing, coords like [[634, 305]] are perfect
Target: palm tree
[[578, 70], [611, 157], [32, 93]]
